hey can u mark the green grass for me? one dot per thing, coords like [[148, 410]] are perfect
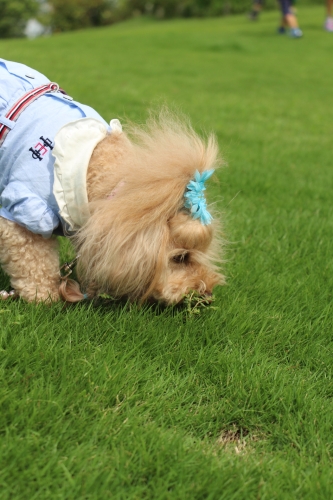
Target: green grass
[[236, 403]]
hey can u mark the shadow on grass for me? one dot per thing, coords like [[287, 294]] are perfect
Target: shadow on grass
[[105, 305]]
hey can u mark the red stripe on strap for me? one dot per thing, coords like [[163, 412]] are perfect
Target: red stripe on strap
[[23, 103]]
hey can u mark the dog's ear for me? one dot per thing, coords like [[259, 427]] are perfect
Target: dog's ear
[[123, 259], [186, 232], [69, 291]]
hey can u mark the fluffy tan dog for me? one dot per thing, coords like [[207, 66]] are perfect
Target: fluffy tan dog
[[139, 241]]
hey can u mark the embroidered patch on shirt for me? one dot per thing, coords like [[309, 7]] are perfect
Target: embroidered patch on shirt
[[41, 149]]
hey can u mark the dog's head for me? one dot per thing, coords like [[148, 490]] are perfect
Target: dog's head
[[141, 240], [185, 261]]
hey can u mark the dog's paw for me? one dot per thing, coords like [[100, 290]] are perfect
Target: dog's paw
[[8, 295]]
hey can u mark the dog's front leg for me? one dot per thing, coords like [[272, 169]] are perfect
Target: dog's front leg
[[31, 262]]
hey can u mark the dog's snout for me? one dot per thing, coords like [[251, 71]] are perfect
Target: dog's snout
[[208, 297]]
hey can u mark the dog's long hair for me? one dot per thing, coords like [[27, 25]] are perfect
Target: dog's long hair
[[136, 184]]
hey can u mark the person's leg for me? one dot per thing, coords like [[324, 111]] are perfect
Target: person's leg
[[289, 19], [282, 29], [329, 19], [256, 9]]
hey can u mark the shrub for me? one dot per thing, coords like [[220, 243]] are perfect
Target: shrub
[[65, 15], [14, 15], [188, 8], [74, 14]]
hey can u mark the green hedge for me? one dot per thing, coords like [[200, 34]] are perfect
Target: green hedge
[[65, 15], [190, 8], [75, 14], [195, 8], [14, 15], [72, 14]]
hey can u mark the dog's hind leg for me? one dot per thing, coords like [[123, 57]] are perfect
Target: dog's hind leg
[[31, 262]]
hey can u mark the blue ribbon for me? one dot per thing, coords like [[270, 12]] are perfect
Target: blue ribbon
[[195, 199]]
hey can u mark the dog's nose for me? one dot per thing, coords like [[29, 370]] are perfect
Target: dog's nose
[[208, 297]]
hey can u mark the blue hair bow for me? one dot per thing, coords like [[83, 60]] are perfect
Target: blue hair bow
[[195, 199]]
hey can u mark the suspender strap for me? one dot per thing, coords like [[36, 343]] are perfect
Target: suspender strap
[[22, 104]]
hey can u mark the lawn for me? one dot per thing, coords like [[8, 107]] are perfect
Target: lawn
[[112, 401]]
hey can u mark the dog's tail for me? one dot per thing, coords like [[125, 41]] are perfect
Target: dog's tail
[[69, 291]]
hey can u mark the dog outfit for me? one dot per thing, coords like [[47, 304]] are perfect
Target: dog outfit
[[45, 154]]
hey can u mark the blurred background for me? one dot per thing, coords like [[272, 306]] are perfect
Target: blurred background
[[33, 18]]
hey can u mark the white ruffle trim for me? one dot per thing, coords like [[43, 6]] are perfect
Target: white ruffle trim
[[74, 145]]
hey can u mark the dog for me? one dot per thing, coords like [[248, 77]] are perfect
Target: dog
[[132, 203]]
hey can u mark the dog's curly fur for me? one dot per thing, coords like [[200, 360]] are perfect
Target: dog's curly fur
[[139, 242]]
